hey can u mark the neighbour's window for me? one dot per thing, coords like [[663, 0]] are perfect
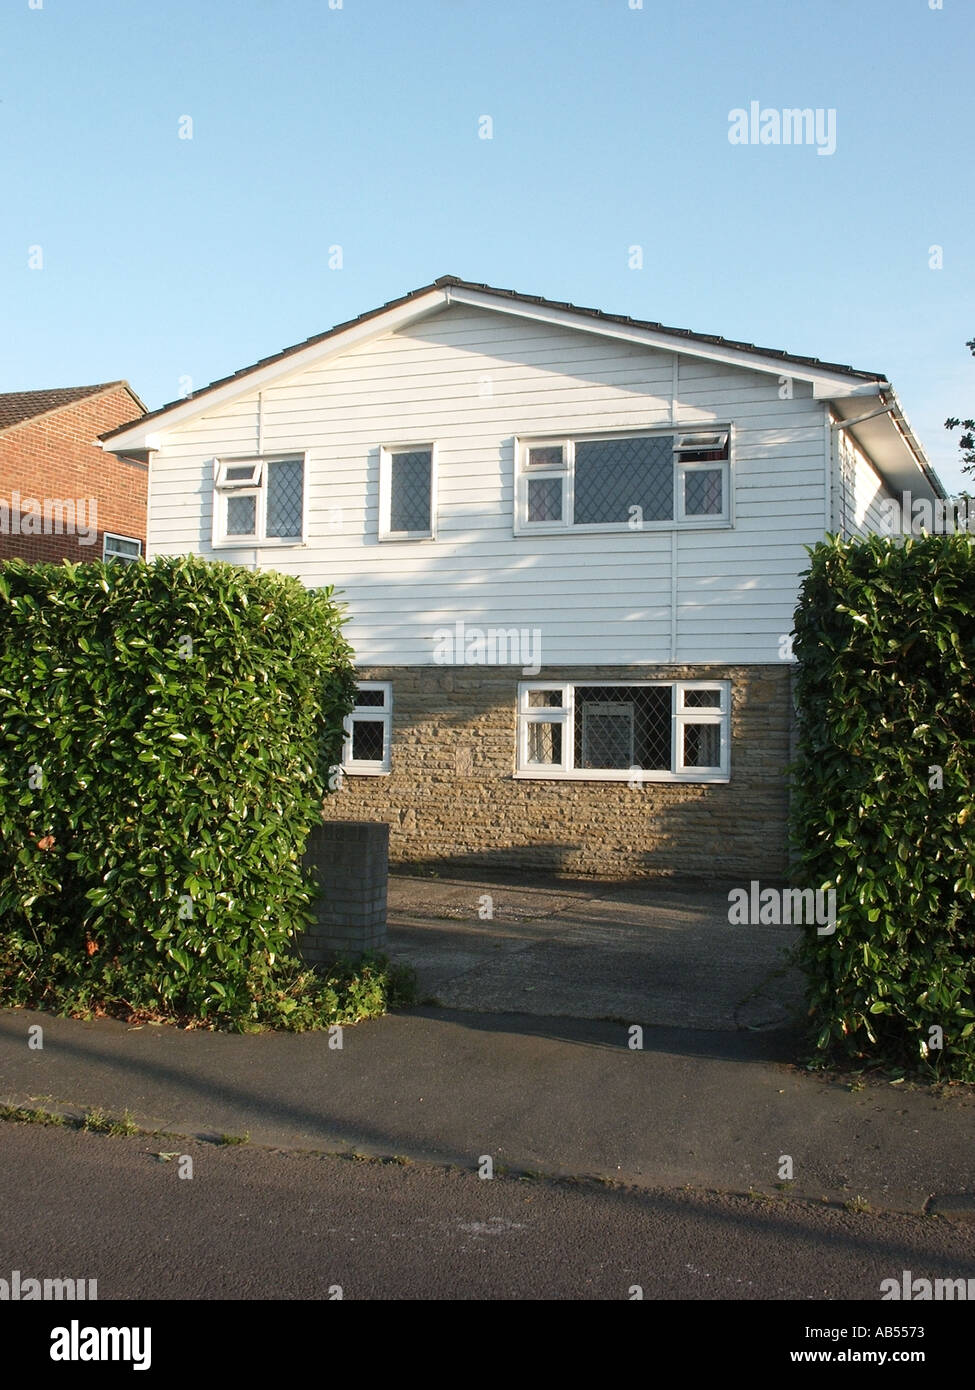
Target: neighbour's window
[[121, 548], [613, 731], [368, 729], [259, 501], [407, 493], [624, 481]]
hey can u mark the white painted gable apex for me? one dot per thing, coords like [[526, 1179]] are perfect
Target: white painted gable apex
[[829, 381]]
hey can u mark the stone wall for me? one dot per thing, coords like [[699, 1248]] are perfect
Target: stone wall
[[452, 798]]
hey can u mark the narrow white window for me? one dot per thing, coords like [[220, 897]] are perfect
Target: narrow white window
[[702, 476], [545, 720], [407, 493], [702, 729], [545, 483], [368, 730]]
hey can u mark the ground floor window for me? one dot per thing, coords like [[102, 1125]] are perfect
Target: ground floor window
[[622, 731], [368, 729], [122, 548]]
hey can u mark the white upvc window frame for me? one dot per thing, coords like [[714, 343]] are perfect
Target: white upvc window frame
[[685, 715], [561, 714], [117, 554], [386, 454], [682, 716], [225, 487], [524, 472], [696, 441], [373, 714]]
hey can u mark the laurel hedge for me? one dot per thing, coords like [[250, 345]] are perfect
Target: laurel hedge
[[166, 734], [883, 799]]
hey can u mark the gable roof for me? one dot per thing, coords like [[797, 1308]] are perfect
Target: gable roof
[[448, 282], [18, 406], [885, 432]]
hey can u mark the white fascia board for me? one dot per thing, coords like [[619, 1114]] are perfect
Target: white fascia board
[[826, 384], [275, 372]]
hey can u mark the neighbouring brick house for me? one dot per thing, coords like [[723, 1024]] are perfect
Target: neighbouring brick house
[[571, 545], [62, 496]]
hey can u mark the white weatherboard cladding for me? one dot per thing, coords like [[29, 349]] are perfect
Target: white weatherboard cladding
[[861, 492], [471, 381]]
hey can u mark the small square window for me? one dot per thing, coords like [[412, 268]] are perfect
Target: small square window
[[121, 548]]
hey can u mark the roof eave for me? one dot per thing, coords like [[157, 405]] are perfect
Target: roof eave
[[892, 446]]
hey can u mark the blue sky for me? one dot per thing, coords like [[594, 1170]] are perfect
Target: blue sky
[[358, 126]]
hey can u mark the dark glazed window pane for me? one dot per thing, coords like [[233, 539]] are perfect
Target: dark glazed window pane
[[409, 508], [642, 722], [366, 698], [116, 545], [546, 456], [613, 475], [545, 744], [544, 499], [367, 741], [702, 492], [702, 745], [241, 516], [284, 489], [544, 699], [702, 699]]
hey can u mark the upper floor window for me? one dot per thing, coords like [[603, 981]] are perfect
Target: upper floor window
[[121, 548], [624, 481], [259, 501], [407, 493]]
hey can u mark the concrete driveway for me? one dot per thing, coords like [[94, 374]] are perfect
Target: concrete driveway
[[646, 952]]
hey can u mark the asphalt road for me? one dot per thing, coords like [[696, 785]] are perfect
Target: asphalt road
[[255, 1223]]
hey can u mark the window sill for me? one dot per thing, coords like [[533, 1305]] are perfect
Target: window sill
[[660, 527], [365, 771], [249, 543], [405, 538], [591, 775]]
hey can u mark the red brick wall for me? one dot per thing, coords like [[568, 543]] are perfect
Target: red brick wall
[[56, 457]]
